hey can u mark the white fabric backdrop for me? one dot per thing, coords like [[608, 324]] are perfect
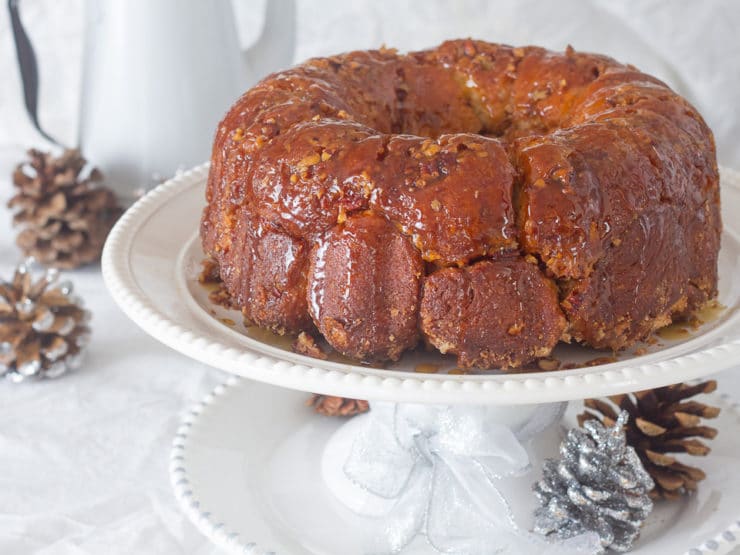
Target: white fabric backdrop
[[83, 460]]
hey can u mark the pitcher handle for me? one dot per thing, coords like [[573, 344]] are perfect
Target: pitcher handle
[[28, 68]]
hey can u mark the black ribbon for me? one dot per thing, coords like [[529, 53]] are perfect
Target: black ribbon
[[28, 68]]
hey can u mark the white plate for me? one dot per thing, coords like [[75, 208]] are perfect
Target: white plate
[[152, 258], [255, 488]]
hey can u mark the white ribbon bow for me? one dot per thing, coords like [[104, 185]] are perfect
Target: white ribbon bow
[[438, 467]]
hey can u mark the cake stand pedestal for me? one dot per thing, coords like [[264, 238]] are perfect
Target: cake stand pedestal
[[446, 472]]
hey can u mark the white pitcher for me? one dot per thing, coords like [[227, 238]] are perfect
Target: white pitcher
[[158, 75]]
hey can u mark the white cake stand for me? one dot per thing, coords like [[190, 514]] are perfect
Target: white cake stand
[[150, 265]]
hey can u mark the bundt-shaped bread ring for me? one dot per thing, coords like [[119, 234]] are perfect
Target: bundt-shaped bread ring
[[488, 200]]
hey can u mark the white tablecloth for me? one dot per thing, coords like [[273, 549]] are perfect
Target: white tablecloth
[[83, 460]]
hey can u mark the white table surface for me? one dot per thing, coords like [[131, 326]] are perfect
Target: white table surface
[[83, 460]]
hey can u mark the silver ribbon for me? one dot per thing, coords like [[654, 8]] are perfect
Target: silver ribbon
[[437, 467]]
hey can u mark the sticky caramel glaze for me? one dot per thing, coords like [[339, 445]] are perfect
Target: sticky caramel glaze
[[363, 290], [469, 152], [502, 312], [269, 283], [641, 266]]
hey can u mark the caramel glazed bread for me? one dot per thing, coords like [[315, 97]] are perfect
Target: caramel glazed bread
[[488, 200]]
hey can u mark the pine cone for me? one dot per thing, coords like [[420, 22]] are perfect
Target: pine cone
[[598, 485], [662, 422], [43, 328], [63, 215], [328, 405]]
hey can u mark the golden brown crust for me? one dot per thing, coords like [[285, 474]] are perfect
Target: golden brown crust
[[363, 288], [599, 174], [495, 313]]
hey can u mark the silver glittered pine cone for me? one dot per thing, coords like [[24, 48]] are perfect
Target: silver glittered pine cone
[[598, 485], [43, 327]]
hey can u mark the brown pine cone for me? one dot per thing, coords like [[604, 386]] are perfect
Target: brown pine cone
[[64, 215], [662, 423], [329, 405], [43, 328]]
